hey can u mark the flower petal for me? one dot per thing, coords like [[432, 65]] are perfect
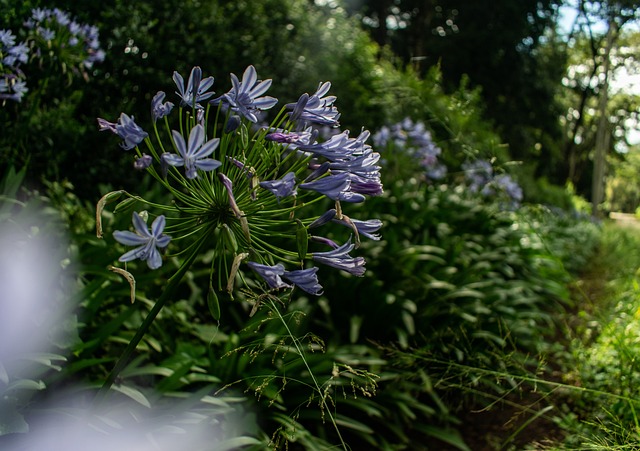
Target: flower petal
[[207, 149], [260, 88], [163, 241], [180, 144], [158, 226], [129, 238], [172, 159], [196, 138], [154, 260], [140, 225], [207, 164], [131, 255], [249, 78]]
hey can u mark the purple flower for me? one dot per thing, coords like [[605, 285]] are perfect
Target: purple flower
[[272, 274], [510, 187], [243, 96], [143, 162], [12, 88], [359, 164], [336, 187], [17, 54], [317, 171], [335, 148], [61, 16], [366, 228], [324, 240], [370, 185], [193, 156], [284, 187], [148, 243], [126, 129], [478, 174], [158, 108], [7, 38], [196, 90], [305, 279], [340, 258], [504, 184], [39, 14], [283, 138], [324, 218], [437, 171], [47, 34], [316, 108]]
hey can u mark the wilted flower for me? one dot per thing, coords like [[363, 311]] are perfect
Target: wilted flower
[[147, 242]]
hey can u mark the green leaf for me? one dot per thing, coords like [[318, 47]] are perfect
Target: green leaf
[[229, 238], [125, 205], [353, 424], [133, 393], [446, 435], [213, 303]]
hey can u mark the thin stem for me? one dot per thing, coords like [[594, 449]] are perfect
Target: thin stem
[[313, 378], [172, 284]]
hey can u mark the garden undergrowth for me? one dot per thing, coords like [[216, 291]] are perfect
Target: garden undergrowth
[[603, 348], [584, 395]]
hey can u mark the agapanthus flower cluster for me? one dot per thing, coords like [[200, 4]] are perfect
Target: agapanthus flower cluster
[[480, 177], [57, 28], [258, 196], [12, 54], [414, 139], [47, 32]]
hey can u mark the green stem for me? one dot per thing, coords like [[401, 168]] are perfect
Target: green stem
[[313, 378], [172, 284]]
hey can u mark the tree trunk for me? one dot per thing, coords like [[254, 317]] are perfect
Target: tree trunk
[[602, 138]]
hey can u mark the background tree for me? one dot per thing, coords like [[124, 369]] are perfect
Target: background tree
[[507, 48], [598, 108]]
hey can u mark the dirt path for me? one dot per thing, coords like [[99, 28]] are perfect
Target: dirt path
[[625, 219]]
